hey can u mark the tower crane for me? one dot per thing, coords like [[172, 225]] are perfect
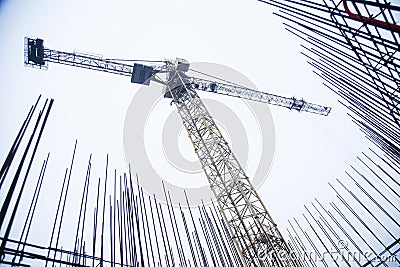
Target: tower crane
[[253, 231]]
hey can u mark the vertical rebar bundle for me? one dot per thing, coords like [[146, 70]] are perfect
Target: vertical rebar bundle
[[122, 227], [354, 46], [360, 228]]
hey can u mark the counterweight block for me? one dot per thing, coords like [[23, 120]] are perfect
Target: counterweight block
[[141, 74]]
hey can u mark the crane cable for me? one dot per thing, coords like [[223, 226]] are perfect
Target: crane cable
[[218, 78], [136, 60]]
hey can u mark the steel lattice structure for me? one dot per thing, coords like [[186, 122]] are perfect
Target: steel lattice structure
[[252, 228], [249, 94]]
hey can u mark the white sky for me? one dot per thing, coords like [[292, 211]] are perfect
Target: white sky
[[90, 106]]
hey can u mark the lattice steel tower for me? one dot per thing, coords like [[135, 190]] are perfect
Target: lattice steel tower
[[252, 228]]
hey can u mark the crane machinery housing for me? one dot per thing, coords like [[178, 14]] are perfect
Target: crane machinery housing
[[253, 231]]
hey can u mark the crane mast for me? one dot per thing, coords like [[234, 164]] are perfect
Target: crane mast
[[254, 232], [251, 226]]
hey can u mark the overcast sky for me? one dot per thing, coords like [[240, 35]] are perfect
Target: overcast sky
[[91, 106]]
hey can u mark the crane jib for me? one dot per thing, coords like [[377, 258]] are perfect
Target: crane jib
[[37, 56]]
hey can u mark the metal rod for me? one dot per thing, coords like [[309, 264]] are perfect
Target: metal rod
[[7, 163], [32, 208]]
